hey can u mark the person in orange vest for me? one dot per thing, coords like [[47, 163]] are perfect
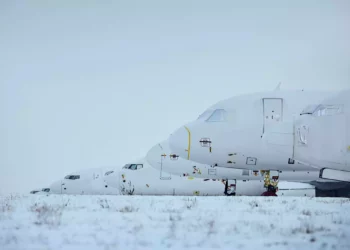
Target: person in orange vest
[[271, 191]]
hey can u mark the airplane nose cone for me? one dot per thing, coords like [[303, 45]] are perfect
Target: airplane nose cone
[[180, 142]]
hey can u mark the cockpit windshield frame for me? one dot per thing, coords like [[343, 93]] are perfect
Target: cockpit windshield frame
[[206, 114], [72, 177], [134, 166], [218, 115], [310, 109], [126, 166], [327, 110], [109, 172]]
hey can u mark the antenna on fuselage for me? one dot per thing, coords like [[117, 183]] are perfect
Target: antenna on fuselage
[[278, 86]]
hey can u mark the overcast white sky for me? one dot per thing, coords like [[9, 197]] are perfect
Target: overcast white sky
[[88, 84]]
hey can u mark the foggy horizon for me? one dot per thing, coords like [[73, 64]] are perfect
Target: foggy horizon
[[89, 85]]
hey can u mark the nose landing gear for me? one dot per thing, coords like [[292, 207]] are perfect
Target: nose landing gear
[[271, 177], [230, 187]]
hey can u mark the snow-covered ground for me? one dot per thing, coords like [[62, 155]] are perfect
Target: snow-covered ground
[[141, 222]]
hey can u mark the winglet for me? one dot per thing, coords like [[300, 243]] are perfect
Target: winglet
[[278, 86]]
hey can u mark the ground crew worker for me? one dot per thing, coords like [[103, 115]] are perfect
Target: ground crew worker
[[271, 191]]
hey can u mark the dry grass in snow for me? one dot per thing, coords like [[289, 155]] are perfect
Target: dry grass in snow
[[141, 222]]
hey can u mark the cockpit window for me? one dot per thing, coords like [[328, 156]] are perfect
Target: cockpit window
[[72, 177], [219, 115], [323, 110], [46, 190], [133, 166], [309, 110], [205, 115], [109, 172], [126, 166]]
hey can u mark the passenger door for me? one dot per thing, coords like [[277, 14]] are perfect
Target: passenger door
[[164, 175]]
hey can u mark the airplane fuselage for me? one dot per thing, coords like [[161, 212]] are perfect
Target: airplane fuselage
[[252, 132]]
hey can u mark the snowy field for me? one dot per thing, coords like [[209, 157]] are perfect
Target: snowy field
[[140, 222]]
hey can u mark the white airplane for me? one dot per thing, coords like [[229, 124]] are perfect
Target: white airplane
[[89, 181], [145, 181], [252, 131], [322, 137], [140, 178], [293, 183], [40, 191], [161, 158]]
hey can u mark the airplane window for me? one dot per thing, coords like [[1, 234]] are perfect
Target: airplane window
[[133, 167], [323, 110], [72, 177], [205, 115], [219, 115], [126, 166], [333, 110], [109, 172], [309, 110], [46, 190]]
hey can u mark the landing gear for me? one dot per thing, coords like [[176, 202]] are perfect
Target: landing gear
[[230, 187], [270, 178]]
